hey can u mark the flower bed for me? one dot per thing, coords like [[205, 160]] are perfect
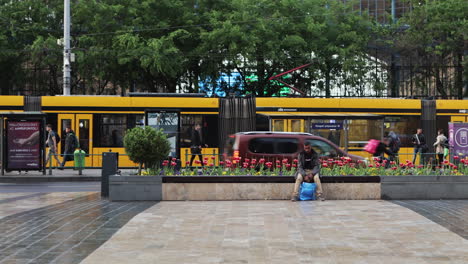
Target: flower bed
[[342, 166]]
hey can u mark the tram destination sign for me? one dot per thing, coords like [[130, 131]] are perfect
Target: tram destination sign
[[327, 126]]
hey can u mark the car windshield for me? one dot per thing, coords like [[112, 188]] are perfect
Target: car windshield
[[322, 148]]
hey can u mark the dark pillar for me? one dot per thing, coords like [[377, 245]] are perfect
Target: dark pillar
[[110, 166]]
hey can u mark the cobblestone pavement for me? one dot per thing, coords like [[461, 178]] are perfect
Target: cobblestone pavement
[[452, 214], [281, 232], [64, 231]]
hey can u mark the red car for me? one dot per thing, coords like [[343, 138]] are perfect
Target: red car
[[279, 145]]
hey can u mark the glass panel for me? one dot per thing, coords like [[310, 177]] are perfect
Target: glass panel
[[334, 135], [360, 131], [296, 125], [84, 134], [112, 130], [186, 130], [278, 125], [169, 122], [322, 148], [403, 126], [261, 145], [65, 123], [286, 145]]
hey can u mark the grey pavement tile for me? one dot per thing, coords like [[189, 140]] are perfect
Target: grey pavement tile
[[64, 232], [282, 232]]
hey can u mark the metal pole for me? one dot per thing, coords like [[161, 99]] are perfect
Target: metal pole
[[393, 11], [66, 48]]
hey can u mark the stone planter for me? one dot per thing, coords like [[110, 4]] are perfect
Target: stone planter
[[135, 188], [424, 187], [219, 188]]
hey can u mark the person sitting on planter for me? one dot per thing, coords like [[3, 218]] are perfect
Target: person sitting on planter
[[381, 150], [308, 169]]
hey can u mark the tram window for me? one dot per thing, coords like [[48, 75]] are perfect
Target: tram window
[[403, 126], [361, 130], [111, 130]]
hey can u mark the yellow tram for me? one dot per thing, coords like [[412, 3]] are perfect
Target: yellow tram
[[101, 121]]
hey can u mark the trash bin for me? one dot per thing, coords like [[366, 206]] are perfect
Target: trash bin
[[110, 166], [79, 158]]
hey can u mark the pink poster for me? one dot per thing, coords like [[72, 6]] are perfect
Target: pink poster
[[23, 145]]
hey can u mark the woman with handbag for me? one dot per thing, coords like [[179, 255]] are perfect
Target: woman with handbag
[[440, 145]]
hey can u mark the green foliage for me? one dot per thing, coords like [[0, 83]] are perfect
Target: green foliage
[[146, 145], [157, 45]]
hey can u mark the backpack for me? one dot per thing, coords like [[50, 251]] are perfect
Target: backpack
[[57, 138], [76, 142], [372, 145], [445, 144], [396, 144]]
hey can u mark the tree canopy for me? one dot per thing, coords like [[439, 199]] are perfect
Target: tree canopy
[[180, 45]]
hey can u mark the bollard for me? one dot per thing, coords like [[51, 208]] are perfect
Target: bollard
[[110, 166], [50, 163], [79, 159]]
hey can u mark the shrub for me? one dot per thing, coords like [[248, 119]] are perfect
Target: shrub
[[146, 145]]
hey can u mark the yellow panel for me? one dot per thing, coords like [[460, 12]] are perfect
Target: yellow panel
[[116, 101], [209, 153], [11, 100], [124, 161], [452, 104], [458, 119], [338, 103]]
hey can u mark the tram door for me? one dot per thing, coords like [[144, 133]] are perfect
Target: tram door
[[82, 126], [288, 125]]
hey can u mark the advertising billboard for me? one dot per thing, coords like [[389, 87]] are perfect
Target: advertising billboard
[[23, 149], [458, 139]]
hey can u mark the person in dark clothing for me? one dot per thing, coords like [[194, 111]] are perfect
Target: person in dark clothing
[[394, 144], [420, 146], [381, 150], [51, 142], [70, 145], [197, 143], [308, 170]]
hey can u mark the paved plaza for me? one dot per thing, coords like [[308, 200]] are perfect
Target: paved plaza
[[80, 227]]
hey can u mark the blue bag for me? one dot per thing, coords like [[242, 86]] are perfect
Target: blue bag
[[307, 191]]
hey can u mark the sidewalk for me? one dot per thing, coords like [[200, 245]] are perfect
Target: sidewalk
[[57, 176]]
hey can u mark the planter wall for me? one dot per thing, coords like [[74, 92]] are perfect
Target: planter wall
[[135, 188], [424, 187], [195, 188]]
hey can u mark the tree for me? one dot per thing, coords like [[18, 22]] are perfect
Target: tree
[[146, 145], [435, 41]]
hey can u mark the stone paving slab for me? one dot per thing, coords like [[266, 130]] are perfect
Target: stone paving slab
[[14, 203], [281, 232], [62, 232], [452, 214]]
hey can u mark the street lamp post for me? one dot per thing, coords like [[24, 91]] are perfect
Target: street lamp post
[[66, 49]]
